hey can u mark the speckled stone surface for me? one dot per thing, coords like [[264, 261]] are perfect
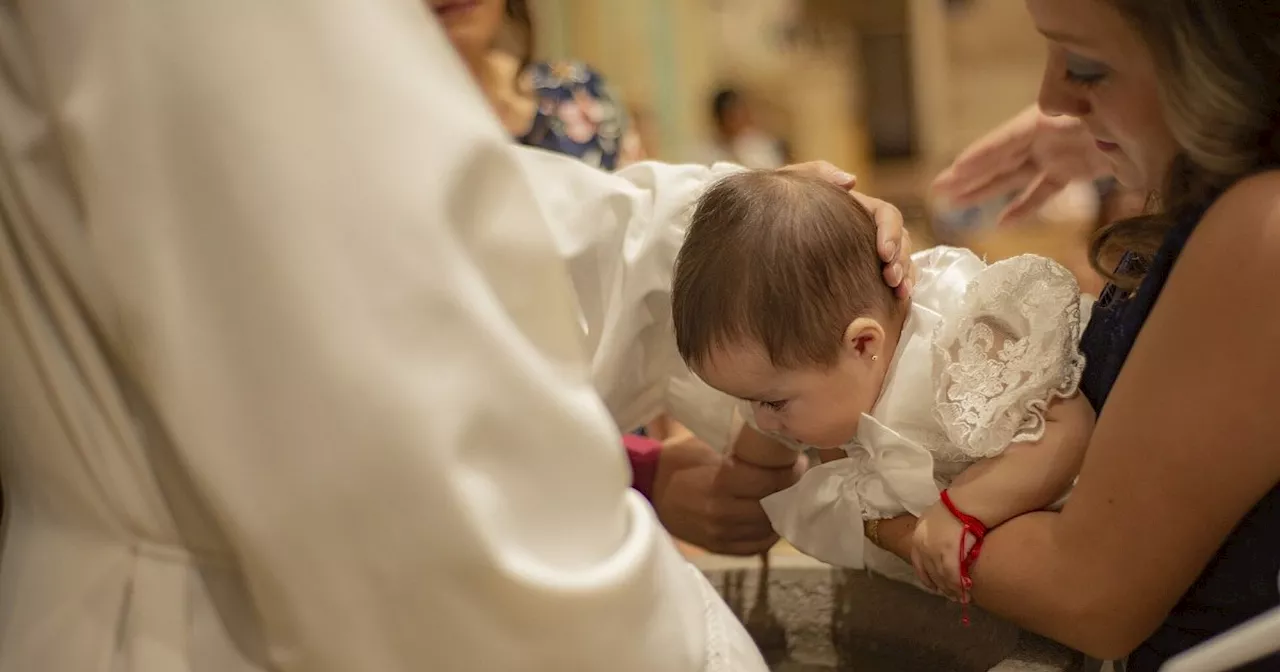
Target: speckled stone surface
[[809, 617]]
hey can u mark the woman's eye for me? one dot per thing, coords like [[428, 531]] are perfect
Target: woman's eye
[[1085, 72], [774, 405]]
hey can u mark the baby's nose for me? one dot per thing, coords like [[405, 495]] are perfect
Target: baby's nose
[[767, 421]]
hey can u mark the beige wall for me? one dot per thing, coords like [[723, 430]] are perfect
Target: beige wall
[[972, 69], [996, 60], [931, 64], [825, 120], [671, 54]]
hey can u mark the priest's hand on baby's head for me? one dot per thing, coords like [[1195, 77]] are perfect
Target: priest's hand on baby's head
[[892, 238]]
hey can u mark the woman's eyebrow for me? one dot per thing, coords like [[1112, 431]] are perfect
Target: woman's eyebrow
[[1067, 38]]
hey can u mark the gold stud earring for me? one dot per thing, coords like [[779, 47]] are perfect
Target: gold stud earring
[[875, 358]]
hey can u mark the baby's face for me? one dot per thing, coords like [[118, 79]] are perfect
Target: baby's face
[[816, 406]]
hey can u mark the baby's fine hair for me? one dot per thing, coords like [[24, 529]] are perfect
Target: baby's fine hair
[[778, 259]]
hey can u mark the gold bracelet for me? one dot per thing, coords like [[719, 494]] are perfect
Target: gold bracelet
[[872, 530]]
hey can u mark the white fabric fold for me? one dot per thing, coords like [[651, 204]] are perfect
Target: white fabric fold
[[821, 515]]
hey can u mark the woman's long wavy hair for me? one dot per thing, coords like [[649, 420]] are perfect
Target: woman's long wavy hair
[[1218, 71]]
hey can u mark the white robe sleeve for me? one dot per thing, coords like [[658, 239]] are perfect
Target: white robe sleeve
[[331, 278], [1009, 348], [621, 245]]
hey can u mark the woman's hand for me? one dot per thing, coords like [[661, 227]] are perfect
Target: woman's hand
[[1033, 153], [893, 240]]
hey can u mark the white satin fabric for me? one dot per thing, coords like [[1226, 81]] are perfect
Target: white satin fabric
[[292, 366], [952, 393]]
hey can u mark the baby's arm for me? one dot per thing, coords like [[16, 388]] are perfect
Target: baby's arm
[[1028, 476], [1024, 478]]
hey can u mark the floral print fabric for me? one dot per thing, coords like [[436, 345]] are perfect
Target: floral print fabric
[[577, 114]]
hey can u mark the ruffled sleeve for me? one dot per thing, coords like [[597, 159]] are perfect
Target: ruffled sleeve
[[945, 272], [1008, 350]]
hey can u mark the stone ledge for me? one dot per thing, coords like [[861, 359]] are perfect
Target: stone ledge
[[810, 617]]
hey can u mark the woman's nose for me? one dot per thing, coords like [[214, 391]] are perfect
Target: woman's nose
[[1057, 96]]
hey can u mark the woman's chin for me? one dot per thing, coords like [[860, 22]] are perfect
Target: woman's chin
[[1129, 176], [1137, 178]]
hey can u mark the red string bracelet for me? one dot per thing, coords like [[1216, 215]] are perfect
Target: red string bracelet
[[972, 526]]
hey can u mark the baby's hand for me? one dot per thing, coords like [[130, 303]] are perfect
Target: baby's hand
[[935, 551]]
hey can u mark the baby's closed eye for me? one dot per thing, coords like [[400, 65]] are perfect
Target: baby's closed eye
[[776, 406]]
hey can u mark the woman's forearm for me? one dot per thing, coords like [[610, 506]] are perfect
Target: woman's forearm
[[1019, 576], [1032, 575]]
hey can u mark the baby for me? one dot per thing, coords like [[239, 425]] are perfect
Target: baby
[[778, 301]]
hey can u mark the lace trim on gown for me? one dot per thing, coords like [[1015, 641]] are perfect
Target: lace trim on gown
[[1010, 350]]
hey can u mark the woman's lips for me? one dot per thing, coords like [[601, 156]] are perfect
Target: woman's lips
[[1107, 146], [451, 8]]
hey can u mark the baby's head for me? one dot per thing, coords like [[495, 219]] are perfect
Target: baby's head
[[778, 300]]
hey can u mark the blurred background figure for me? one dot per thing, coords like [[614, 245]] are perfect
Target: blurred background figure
[[737, 138], [563, 106]]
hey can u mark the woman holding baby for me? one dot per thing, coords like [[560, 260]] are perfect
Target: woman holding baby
[[354, 482], [1171, 534]]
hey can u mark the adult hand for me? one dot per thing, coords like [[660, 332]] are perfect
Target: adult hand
[[1033, 153], [713, 501], [892, 238]]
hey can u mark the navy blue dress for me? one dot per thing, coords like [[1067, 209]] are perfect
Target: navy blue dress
[[1240, 582]]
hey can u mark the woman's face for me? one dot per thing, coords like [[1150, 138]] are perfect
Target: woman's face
[[1100, 71], [472, 25]]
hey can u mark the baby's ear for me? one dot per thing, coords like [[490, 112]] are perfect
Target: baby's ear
[[865, 336]]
